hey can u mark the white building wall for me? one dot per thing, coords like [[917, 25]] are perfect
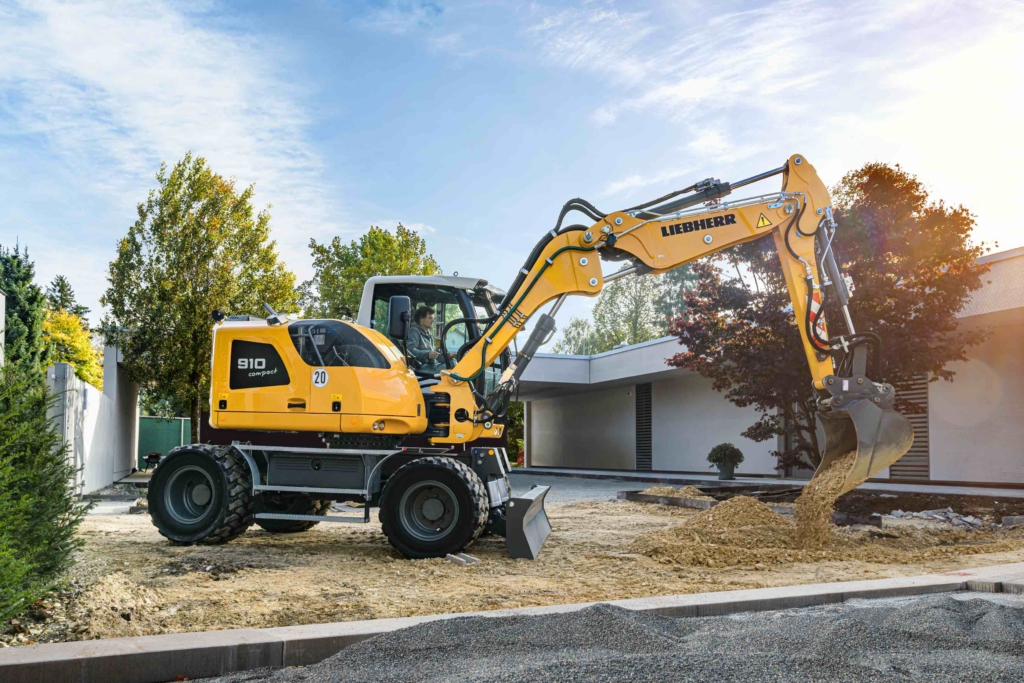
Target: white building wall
[[100, 428], [590, 430], [689, 418], [976, 422]]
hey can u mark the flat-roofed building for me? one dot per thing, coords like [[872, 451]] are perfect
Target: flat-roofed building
[[626, 409]]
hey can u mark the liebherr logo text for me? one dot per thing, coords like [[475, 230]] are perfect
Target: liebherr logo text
[[702, 224]]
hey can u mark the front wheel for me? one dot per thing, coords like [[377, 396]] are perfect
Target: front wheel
[[201, 494], [431, 507]]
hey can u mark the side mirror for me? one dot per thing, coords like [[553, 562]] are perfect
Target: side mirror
[[399, 316]]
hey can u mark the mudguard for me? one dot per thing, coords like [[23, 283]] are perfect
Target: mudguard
[[526, 523]]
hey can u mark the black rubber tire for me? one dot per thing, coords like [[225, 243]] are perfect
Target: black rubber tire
[[292, 505], [230, 509], [465, 485]]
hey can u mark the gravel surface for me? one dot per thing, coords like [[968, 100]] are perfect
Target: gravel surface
[[938, 638], [572, 489]]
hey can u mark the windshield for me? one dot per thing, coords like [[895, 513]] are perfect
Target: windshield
[[332, 343]]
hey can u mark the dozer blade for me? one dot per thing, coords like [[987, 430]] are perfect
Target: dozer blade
[[879, 436], [526, 523]]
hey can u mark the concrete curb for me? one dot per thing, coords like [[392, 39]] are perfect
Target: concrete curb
[[157, 659]]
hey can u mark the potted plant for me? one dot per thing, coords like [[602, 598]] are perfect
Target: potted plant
[[725, 457]]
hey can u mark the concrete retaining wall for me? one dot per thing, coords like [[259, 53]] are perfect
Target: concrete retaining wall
[[100, 427]]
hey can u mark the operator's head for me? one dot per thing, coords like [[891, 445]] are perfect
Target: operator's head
[[424, 316]]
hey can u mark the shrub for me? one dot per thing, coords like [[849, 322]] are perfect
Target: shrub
[[38, 507], [725, 454]]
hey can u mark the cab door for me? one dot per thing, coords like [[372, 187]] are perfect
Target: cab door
[[354, 371]]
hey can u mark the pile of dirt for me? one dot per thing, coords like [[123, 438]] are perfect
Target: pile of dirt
[[738, 531], [672, 492], [815, 505], [743, 531]]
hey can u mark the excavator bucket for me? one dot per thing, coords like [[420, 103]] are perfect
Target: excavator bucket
[[879, 436], [526, 523]]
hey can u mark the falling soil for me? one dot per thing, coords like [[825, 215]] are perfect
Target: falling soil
[[672, 492], [816, 503]]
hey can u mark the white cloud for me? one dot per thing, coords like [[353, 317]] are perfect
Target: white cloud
[[637, 182], [400, 17], [933, 85], [390, 224], [113, 89]]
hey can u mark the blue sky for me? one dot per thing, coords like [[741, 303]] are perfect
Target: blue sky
[[474, 121]]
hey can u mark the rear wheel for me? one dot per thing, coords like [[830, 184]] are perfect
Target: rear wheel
[[431, 507], [201, 494], [292, 505]]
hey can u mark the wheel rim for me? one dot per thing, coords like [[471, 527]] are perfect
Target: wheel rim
[[429, 510], [188, 495]]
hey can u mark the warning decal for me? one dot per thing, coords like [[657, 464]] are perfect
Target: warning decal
[[763, 221]]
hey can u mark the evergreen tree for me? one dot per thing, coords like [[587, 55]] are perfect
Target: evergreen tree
[[25, 310], [61, 297], [38, 506]]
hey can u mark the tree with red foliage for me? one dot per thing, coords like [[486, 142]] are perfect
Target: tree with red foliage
[[913, 265]]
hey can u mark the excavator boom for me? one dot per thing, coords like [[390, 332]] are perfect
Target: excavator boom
[[855, 414]]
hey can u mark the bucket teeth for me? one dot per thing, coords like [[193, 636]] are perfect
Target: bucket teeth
[[526, 523], [880, 437]]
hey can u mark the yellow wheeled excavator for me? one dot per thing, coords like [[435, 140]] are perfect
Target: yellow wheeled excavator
[[311, 413]]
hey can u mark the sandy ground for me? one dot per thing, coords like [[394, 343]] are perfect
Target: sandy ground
[[131, 581]]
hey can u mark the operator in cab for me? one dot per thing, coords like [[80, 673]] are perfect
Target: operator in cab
[[421, 341]]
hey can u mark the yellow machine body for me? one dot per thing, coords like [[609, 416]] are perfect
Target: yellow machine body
[[261, 380]]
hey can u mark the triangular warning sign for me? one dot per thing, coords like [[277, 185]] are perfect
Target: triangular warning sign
[[763, 221]]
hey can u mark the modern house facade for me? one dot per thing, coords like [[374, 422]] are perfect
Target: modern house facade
[[626, 409], [99, 426]]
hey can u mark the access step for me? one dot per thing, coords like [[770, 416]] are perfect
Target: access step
[[315, 518]]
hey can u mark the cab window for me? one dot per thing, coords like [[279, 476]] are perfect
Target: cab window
[[332, 343], [446, 305]]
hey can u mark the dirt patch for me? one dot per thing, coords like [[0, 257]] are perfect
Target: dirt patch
[[131, 581], [672, 492]]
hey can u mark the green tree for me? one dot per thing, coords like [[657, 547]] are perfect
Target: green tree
[[340, 270], [914, 267], [61, 297], [578, 339], [68, 341], [514, 429], [38, 506], [196, 246], [670, 301], [25, 310], [627, 311]]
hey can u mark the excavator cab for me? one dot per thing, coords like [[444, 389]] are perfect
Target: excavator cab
[[461, 309]]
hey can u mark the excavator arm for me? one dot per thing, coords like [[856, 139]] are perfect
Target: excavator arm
[[854, 413]]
